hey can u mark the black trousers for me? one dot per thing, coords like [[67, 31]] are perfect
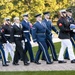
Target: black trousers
[[28, 48], [19, 52]]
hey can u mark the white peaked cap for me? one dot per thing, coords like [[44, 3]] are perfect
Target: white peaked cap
[[16, 18], [7, 18], [64, 10]]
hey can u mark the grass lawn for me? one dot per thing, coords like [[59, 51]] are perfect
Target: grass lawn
[[40, 73], [57, 47]]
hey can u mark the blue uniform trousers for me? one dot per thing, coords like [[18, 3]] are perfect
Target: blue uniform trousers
[[29, 48], [42, 48], [52, 48], [66, 56], [2, 55]]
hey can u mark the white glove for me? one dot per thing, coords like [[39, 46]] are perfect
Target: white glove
[[73, 30], [52, 35], [7, 41], [25, 40]]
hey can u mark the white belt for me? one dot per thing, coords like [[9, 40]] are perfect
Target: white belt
[[7, 35], [26, 31], [17, 35]]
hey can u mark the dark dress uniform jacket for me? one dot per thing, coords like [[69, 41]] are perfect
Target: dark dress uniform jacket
[[7, 31], [16, 33], [38, 32], [63, 25], [26, 27], [50, 26]]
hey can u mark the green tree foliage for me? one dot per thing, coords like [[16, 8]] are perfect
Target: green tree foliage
[[12, 8]]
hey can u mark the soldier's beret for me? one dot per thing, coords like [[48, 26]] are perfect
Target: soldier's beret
[[37, 15], [7, 19], [46, 13], [25, 15], [15, 18], [69, 10]]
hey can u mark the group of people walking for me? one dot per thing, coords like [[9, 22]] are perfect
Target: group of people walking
[[41, 32]]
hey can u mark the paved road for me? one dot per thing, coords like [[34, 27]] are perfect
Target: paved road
[[43, 67]]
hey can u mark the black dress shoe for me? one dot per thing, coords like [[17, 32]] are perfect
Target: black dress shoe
[[32, 61], [62, 62], [5, 65], [55, 59], [49, 62], [15, 64], [73, 61], [43, 59], [7, 61], [67, 58], [37, 63], [26, 63]]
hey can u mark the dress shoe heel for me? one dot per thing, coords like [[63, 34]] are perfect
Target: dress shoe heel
[[5, 65], [26, 63], [62, 62], [37, 63], [15, 64], [49, 63], [73, 61]]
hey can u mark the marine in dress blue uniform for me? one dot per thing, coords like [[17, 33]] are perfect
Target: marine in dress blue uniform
[[26, 32], [49, 35], [2, 53], [39, 36], [7, 29], [72, 34]]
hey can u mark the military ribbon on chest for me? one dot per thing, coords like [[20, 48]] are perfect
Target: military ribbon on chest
[[44, 25]]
